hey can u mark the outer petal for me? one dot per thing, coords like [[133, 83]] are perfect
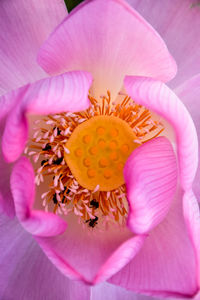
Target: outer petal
[[6, 199], [29, 275], [26, 273], [189, 93], [24, 27], [192, 217], [159, 98], [66, 92], [166, 264], [95, 257], [109, 291], [23, 190], [7, 103], [151, 175], [108, 39], [119, 258], [178, 24]]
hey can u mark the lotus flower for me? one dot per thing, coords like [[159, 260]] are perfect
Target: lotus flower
[[105, 186]]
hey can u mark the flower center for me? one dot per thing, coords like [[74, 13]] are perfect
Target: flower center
[[79, 158], [98, 150]]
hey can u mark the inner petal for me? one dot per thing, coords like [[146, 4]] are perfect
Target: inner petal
[[80, 157]]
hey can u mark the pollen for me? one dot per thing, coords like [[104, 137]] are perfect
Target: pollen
[[79, 158], [100, 130]]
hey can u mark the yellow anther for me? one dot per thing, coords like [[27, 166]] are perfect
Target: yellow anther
[[79, 152], [93, 150], [103, 162], [125, 148], [99, 141], [87, 162], [114, 155], [86, 139], [120, 166], [107, 173], [106, 143], [113, 132], [100, 130], [113, 145], [91, 173], [101, 144]]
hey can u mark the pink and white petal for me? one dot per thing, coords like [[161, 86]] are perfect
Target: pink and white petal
[[7, 103], [192, 219], [159, 98], [6, 199], [91, 256], [166, 265], [61, 264], [109, 39], [38, 223], [119, 258], [66, 92], [189, 93], [20, 38], [110, 291], [26, 273], [178, 24], [150, 175]]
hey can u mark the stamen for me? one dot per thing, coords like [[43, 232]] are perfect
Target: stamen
[[49, 147]]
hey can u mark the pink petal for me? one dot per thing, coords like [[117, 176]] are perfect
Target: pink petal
[[189, 93], [150, 174], [166, 265], [108, 39], [57, 259], [8, 102], [178, 24], [26, 273], [6, 199], [192, 218], [24, 27], [119, 258], [109, 291], [66, 92], [91, 256], [159, 98], [23, 189]]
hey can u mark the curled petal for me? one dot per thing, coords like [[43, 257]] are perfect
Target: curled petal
[[66, 92], [192, 218], [178, 24], [38, 223], [151, 175], [6, 199], [7, 103], [189, 93], [166, 264], [96, 256], [111, 291], [109, 39], [119, 258], [24, 266], [159, 98]]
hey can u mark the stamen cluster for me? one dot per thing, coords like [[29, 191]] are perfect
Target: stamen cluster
[[64, 194]]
